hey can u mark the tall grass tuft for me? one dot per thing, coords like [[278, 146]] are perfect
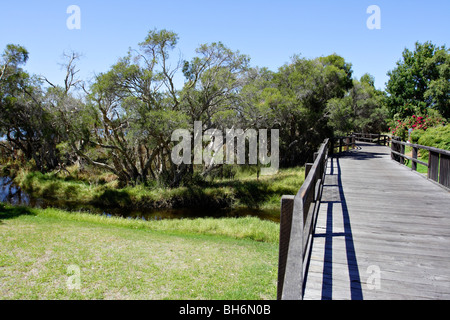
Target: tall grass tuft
[[250, 228]]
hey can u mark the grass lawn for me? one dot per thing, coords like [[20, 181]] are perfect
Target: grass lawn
[[134, 259]]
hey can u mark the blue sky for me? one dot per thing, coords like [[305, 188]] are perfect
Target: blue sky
[[270, 32]]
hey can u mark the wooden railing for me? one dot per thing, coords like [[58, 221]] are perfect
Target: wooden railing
[[345, 143], [339, 144], [377, 138], [297, 226], [438, 160]]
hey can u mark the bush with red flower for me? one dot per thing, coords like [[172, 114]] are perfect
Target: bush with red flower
[[401, 127]]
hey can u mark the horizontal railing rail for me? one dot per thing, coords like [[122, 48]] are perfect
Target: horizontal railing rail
[[297, 226], [377, 138], [438, 160]]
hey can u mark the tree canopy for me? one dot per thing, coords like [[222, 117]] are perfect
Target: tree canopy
[[421, 80], [122, 122]]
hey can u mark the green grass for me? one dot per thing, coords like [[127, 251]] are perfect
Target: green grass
[[134, 259], [420, 168], [244, 190]]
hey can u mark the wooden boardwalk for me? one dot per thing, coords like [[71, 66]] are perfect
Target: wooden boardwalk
[[382, 232]]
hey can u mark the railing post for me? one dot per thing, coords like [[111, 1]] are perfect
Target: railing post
[[402, 151], [287, 206], [414, 156], [393, 146], [308, 167], [315, 156], [444, 171], [340, 144], [433, 166]]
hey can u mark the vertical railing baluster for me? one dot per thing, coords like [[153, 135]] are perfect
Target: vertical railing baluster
[[414, 156], [444, 171], [433, 166]]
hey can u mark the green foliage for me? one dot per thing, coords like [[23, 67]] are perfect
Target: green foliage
[[340, 114], [422, 79], [123, 122], [438, 137], [361, 110], [294, 100], [237, 187]]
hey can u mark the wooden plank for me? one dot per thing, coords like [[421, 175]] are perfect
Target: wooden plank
[[287, 206], [433, 166], [414, 158], [444, 171]]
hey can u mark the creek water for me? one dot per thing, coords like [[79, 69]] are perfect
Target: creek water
[[14, 195]]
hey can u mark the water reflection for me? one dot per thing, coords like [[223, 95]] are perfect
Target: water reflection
[[10, 193]]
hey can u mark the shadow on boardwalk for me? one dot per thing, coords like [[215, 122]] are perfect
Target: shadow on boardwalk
[[359, 154], [329, 235]]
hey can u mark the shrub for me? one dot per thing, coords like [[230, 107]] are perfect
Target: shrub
[[400, 127], [437, 137]]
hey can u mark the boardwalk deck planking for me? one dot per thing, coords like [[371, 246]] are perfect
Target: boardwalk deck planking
[[377, 216]]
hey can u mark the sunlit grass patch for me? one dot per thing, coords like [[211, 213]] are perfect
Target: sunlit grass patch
[[251, 228], [133, 259]]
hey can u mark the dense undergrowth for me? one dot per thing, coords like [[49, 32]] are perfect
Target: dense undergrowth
[[90, 186]]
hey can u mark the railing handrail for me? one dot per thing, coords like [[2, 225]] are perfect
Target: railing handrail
[[438, 160], [297, 221], [371, 136], [419, 146]]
